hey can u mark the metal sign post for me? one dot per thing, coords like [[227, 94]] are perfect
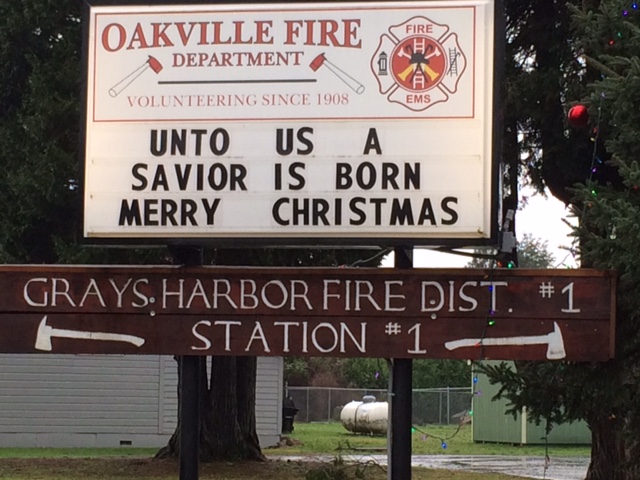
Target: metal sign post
[[189, 411], [190, 384], [399, 444]]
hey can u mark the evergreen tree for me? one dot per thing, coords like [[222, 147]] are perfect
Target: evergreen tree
[[372, 372], [606, 200], [609, 211]]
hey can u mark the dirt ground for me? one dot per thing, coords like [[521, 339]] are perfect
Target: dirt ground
[[117, 468]]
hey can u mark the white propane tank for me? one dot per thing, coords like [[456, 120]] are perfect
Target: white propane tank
[[367, 416]]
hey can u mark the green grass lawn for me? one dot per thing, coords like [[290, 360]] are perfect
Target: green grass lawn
[[327, 439], [331, 438], [76, 452]]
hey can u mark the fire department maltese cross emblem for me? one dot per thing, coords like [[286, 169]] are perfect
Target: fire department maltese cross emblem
[[418, 63]]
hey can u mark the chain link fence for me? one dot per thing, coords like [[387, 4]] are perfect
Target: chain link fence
[[431, 406]]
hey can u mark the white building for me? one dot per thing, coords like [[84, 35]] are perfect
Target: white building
[[109, 400]]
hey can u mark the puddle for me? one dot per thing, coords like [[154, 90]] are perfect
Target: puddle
[[558, 468]]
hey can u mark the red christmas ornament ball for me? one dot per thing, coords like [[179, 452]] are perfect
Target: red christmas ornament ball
[[578, 116]]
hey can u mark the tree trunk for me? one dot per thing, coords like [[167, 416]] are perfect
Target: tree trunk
[[228, 423], [632, 446], [247, 368], [607, 450]]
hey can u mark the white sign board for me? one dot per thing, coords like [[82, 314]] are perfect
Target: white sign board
[[292, 121]]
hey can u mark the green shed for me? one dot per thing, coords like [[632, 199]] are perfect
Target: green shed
[[491, 423]]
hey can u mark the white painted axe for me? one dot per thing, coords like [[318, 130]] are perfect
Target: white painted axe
[[553, 340], [45, 333]]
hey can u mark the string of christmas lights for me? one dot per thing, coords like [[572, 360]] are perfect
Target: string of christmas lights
[[625, 13], [578, 115], [489, 321]]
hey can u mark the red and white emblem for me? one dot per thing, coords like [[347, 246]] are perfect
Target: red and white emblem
[[418, 63]]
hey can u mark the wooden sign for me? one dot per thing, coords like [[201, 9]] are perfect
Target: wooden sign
[[334, 312]]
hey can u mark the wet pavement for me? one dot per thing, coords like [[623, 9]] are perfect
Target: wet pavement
[[558, 468]]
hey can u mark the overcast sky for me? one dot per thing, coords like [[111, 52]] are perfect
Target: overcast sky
[[542, 218]]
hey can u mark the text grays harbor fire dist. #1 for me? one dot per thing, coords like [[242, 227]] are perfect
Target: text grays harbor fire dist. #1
[[212, 173]]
